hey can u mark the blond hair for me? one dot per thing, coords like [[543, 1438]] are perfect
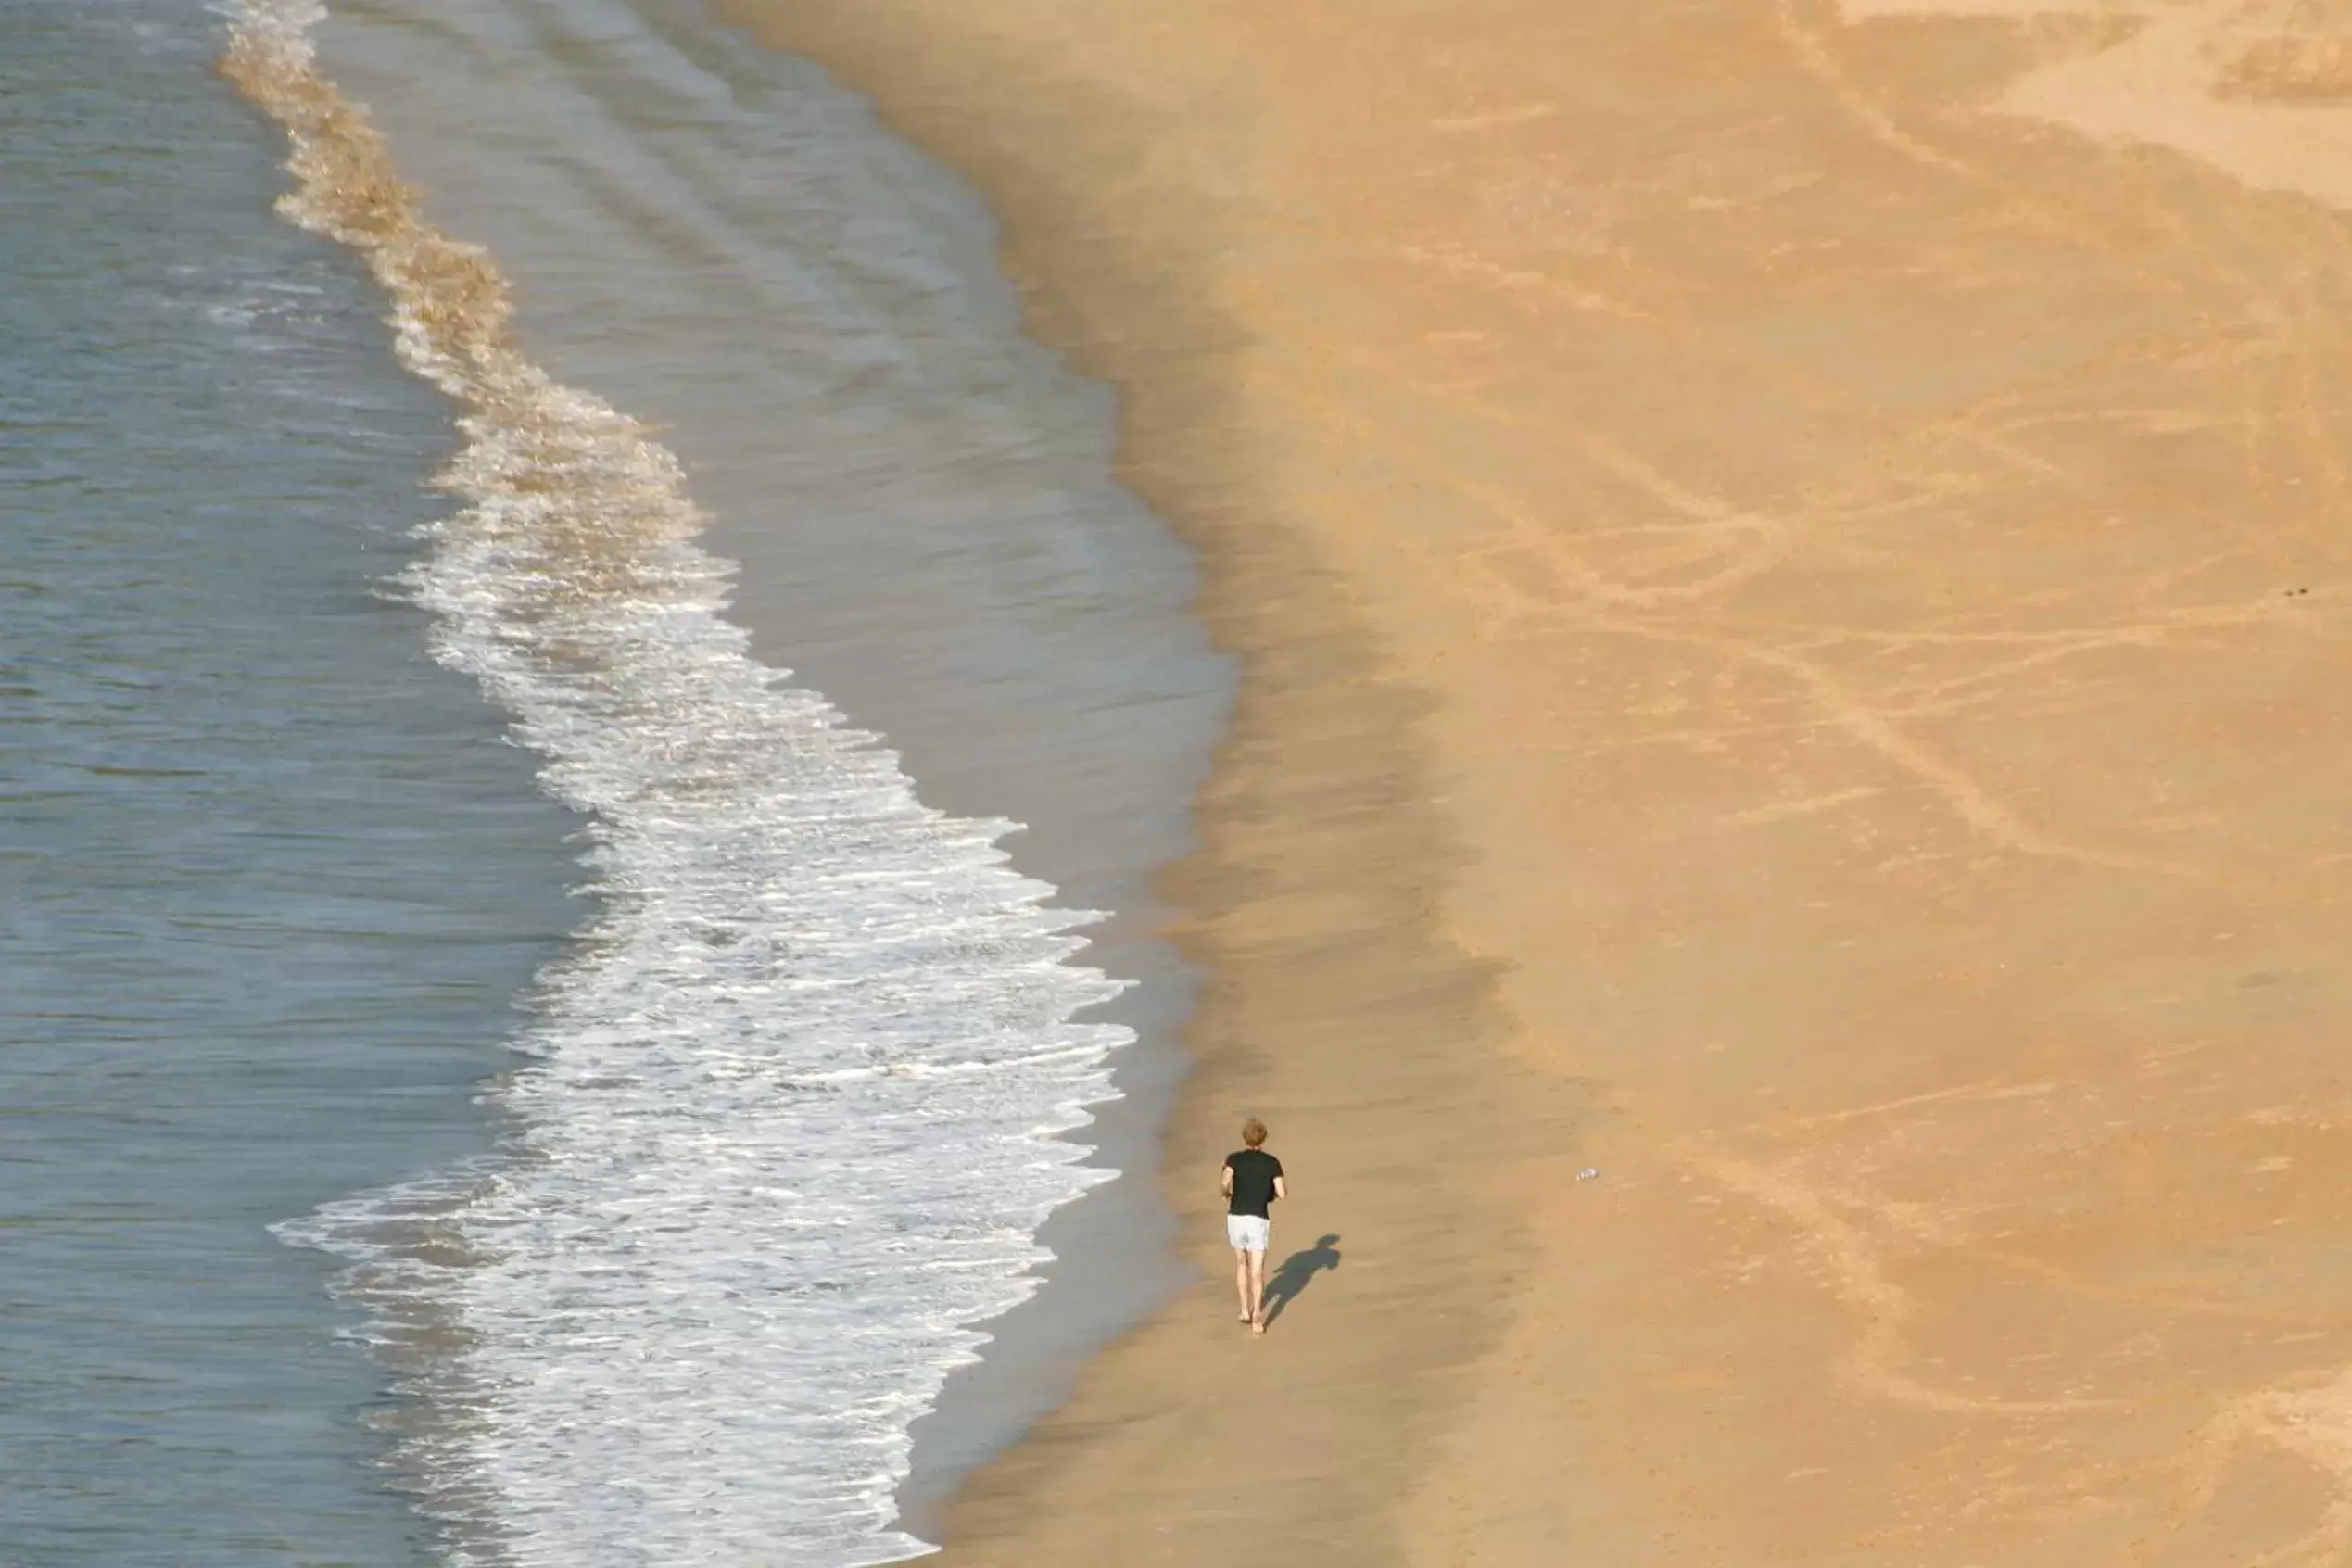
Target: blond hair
[[1253, 1132]]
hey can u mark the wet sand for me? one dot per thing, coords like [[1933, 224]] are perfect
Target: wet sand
[[1792, 573]]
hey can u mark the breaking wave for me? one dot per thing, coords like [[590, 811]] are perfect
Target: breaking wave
[[785, 1125]]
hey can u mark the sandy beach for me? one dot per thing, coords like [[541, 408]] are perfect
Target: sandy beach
[[1791, 576]]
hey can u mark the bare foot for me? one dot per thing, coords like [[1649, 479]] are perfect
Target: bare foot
[[1258, 1325]]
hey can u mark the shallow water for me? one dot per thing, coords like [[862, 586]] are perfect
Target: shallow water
[[796, 1118], [674, 1265]]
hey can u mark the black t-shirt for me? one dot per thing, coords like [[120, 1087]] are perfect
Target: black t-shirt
[[1254, 1172]]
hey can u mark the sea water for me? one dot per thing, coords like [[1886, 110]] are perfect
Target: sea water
[[269, 879], [720, 240], [776, 1141]]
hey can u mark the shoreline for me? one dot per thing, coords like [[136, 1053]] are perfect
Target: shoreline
[[1797, 600], [1000, 577], [1312, 906]]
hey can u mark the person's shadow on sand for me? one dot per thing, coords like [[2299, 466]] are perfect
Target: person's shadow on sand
[[1285, 1284]]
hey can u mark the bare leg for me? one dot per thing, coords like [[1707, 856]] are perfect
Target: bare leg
[[1241, 1283], [1256, 1267]]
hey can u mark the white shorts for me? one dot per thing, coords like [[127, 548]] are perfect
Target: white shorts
[[1248, 1233]]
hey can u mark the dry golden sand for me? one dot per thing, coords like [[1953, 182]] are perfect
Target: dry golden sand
[[1793, 573]]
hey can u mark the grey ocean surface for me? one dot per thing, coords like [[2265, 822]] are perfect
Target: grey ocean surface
[[719, 238], [268, 878]]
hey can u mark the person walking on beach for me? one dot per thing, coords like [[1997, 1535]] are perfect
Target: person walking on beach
[[1252, 1181]]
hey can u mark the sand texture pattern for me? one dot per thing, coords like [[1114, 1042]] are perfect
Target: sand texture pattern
[[1792, 571]]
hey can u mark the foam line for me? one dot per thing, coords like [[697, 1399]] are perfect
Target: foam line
[[790, 1119]]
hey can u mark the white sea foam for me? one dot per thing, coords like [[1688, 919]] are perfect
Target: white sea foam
[[787, 1130]]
